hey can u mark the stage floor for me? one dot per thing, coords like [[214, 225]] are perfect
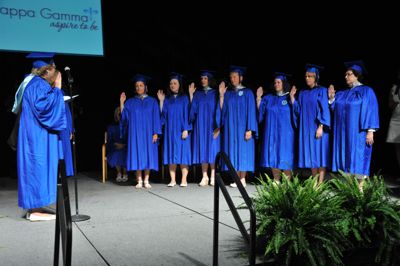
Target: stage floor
[[128, 226]]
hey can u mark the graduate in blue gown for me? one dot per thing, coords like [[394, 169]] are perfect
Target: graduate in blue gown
[[275, 112], [175, 118], [141, 124], [42, 118], [313, 122], [116, 148], [356, 118], [236, 116], [205, 140]]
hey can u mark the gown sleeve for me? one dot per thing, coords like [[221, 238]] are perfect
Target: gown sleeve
[[221, 113], [186, 125], [251, 114], [124, 122], [48, 106], [296, 108], [323, 115], [156, 119], [369, 111], [261, 112], [194, 109]]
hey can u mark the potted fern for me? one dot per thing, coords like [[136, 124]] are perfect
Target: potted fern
[[371, 220], [299, 222]]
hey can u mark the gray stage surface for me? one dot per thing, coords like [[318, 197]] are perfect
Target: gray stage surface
[[128, 226]]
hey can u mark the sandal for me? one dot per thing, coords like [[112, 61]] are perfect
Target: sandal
[[139, 184], [204, 182], [171, 184], [147, 184], [212, 182]]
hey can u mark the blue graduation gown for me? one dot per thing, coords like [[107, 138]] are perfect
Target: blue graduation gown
[[65, 139], [115, 157], [237, 116], [202, 117], [278, 145], [355, 111], [312, 109], [42, 117], [143, 119], [175, 117]]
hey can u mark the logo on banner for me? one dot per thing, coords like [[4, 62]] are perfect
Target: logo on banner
[[59, 20]]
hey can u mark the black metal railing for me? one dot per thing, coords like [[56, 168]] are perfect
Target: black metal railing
[[250, 239], [63, 219]]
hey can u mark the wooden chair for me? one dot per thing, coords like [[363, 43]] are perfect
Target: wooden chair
[[104, 158]]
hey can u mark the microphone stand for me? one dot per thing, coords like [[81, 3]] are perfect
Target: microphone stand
[[76, 217]]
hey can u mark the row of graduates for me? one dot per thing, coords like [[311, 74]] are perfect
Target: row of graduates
[[296, 128]]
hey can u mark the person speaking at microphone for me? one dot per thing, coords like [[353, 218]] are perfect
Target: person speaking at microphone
[[42, 118]]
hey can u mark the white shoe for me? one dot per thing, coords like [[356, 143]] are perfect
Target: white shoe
[[139, 184], [119, 178], [147, 184], [171, 184], [37, 216], [234, 185], [204, 182], [212, 181]]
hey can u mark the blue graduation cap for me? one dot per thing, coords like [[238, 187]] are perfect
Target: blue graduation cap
[[357, 66], [140, 77], [237, 69], [176, 75], [312, 68], [41, 59], [207, 73], [282, 76]]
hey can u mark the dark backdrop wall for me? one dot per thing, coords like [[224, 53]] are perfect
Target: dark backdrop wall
[[187, 42]]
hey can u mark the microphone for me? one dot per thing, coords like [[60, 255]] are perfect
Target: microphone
[[69, 77]]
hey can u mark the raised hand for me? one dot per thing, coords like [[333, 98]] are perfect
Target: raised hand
[[293, 93], [260, 92], [161, 95], [58, 81], [222, 88], [192, 89], [122, 98], [331, 92]]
